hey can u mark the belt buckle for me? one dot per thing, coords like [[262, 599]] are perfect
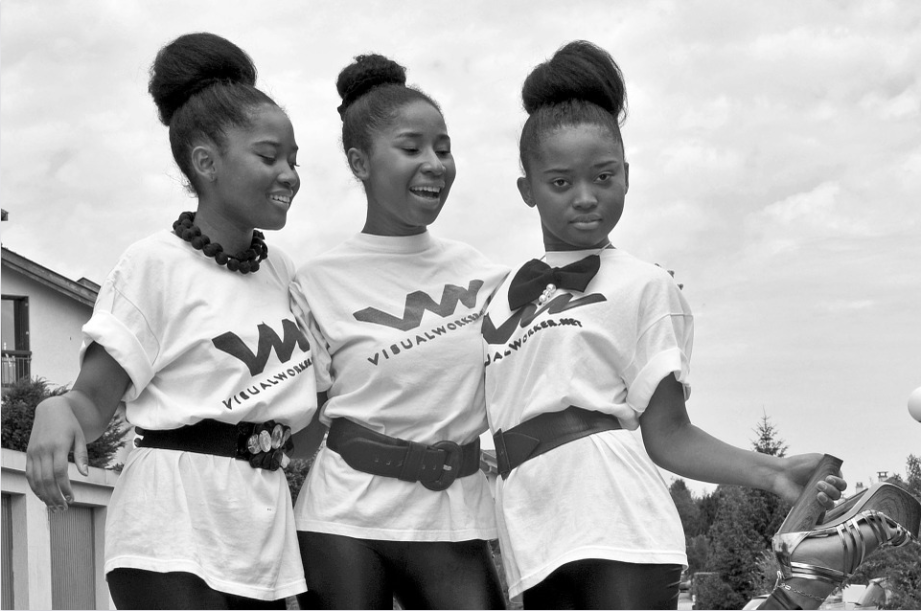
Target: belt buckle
[[451, 467]]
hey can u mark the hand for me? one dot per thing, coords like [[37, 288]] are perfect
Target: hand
[[55, 433], [796, 473]]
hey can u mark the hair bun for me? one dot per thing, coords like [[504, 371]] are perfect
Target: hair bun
[[580, 70], [192, 63], [366, 73]]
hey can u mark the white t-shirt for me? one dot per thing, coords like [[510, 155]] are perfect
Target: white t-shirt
[[199, 341], [397, 322], [606, 349]]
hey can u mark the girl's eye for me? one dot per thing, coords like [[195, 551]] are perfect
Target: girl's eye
[[604, 176], [558, 182], [269, 160], [410, 149]]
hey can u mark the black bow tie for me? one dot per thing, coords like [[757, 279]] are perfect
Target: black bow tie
[[533, 279]]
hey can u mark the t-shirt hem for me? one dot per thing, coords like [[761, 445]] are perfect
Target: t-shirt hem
[[190, 566], [601, 553], [360, 532]]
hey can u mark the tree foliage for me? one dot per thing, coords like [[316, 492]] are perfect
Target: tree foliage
[[19, 405], [735, 546]]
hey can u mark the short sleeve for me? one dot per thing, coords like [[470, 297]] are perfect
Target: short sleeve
[[322, 361], [123, 327], [665, 337]]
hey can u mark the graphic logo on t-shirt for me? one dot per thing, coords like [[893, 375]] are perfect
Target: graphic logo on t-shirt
[[268, 339], [524, 316], [418, 302]]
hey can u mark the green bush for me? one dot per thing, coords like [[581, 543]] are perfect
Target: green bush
[[19, 405]]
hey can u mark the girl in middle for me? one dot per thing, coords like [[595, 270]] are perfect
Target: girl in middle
[[396, 505]]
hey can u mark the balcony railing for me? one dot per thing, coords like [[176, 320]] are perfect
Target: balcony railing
[[16, 364]]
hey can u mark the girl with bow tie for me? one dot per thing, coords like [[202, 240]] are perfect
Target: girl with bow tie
[[587, 373]]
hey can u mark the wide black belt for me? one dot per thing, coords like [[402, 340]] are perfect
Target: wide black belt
[[547, 431], [263, 444], [435, 466]]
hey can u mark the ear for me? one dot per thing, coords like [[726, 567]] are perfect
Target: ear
[[358, 163], [626, 177], [204, 162], [524, 187]]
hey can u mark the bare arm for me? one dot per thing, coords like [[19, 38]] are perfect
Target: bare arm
[[67, 422], [677, 445]]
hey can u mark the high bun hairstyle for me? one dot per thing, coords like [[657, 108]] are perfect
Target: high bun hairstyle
[[202, 84], [580, 84], [373, 90]]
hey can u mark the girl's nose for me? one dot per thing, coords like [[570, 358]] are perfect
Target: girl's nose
[[584, 197], [290, 178], [433, 164]]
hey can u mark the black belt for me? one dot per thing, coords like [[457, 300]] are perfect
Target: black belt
[[435, 466], [547, 431], [263, 444]]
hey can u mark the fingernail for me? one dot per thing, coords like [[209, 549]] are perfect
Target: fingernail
[[69, 499]]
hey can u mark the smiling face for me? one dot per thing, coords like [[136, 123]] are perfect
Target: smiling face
[[255, 175], [408, 172], [578, 183]]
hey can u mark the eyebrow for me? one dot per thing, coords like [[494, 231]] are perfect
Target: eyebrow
[[274, 143], [596, 166], [409, 134]]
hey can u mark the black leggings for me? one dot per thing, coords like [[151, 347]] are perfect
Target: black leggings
[[606, 584], [137, 589], [348, 573]]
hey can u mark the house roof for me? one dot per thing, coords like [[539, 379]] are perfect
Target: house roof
[[82, 290]]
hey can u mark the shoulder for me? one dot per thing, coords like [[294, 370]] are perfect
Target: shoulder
[[647, 282], [148, 255], [461, 252]]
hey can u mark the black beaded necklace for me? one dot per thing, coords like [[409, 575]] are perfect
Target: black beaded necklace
[[244, 262]]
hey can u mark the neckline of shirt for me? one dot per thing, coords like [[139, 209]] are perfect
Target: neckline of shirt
[[410, 244], [559, 258]]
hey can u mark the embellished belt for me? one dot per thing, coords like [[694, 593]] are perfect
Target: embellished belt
[[548, 431], [263, 445], [435, 466]]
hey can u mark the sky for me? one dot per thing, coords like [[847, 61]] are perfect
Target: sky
[[774, 150]]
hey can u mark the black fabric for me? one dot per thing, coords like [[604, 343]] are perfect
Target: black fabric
[[204, 437], [607, 584], [137, 589], [548, 431], [349, 573], [220, 439], [534, 276], [372, 452]]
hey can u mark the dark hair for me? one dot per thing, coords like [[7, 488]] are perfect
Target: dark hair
[[580, 84], [373, 89], [202, 84]]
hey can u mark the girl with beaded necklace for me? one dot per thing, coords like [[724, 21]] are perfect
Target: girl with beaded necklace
[[395, 505], [587, 377], [203, 349]]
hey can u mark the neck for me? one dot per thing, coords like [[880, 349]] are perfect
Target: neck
[[223, 231]]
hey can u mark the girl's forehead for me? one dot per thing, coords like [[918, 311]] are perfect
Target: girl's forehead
[[417, 115], [268, 121], [565, 140]]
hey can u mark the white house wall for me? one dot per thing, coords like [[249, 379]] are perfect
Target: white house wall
[[55, 321]]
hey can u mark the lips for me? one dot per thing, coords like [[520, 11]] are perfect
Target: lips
[[586, 221], [281, 198], [427, 191]]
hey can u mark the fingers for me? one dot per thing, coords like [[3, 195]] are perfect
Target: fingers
[[829, 491], [45, 470], [80, 455]]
